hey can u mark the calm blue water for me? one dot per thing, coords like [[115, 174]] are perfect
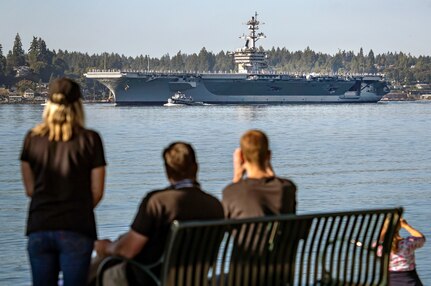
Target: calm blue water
[[342, 157]]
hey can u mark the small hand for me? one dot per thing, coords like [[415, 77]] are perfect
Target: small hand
[[414, 232]]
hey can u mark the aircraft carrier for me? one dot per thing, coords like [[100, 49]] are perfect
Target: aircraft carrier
[[251, 84]]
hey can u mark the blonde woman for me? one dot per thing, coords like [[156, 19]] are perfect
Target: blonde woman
[[63, 170]]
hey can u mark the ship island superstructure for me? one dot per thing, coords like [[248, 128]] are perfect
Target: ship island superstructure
[[249, 59], [252, 84]]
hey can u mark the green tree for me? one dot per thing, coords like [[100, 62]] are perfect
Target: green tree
[[308, 60], [18, 56], [40, 59], [43, 54], [205, 60], [370, 63], [165, 63], [177, 62], [223, 62], [24, 84], [321, 64], [2, 62], [10, 64], [337, 62], [114, 61], [192, 63], [361, 61], [32, 53], [60, 66]]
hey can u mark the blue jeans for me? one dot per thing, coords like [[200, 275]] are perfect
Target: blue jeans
[[52, 251]]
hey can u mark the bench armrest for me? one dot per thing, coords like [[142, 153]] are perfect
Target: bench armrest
[[113, 260]]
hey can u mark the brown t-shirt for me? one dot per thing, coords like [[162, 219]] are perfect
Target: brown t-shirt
[[62, 198], [159, 209], [259, 197]]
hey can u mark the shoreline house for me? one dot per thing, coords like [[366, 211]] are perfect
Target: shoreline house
[[14, 97], [39, 97], [28, 94]]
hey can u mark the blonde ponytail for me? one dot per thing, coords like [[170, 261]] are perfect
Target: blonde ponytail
[[60, 121]]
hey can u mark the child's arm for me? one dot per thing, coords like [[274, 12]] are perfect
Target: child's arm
[[414, 232]]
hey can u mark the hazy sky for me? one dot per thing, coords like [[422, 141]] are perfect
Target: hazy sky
[[158, 27]]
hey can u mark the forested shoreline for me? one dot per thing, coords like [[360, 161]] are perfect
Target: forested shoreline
[[39, 64]]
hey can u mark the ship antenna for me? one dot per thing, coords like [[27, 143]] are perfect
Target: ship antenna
[[249, 59], [253, 26]]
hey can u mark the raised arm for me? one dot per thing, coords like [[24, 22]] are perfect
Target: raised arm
[[238, 166], [414, 232]]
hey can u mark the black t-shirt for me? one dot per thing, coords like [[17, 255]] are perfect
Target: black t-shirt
[[259, 197], [159, 209], [62, 198]]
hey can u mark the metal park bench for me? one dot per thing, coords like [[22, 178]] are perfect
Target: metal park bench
[[315, 249]]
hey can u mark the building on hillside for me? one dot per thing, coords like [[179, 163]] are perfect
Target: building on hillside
[[42, 85], [28, 94], [423, 86], [22, 71], [14, 98], [39, 97], [417, 93]]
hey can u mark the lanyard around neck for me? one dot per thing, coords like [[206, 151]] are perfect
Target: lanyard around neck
[[186, 183]]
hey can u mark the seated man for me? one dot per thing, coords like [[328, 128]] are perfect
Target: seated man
[[182, 200], [255, 192], [260, 193]]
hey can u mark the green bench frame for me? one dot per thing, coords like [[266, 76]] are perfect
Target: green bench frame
[[314, 249]]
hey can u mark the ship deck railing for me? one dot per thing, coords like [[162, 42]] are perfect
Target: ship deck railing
[[169, 72]]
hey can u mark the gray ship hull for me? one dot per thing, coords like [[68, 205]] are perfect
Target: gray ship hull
[[155, 89]]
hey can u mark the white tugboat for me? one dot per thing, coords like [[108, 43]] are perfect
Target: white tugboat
[[180, 98]]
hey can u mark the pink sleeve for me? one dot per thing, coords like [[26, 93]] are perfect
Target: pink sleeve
[[413, 242]]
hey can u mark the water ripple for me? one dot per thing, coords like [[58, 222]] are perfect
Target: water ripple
[[341, 157]]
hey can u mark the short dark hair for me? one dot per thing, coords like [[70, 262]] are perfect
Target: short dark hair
[[255, 147], [180, 161]]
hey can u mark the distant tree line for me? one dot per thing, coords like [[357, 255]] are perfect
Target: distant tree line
[[40, 64]]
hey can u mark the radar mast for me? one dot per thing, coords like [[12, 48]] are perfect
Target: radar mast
[[249, 59]]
